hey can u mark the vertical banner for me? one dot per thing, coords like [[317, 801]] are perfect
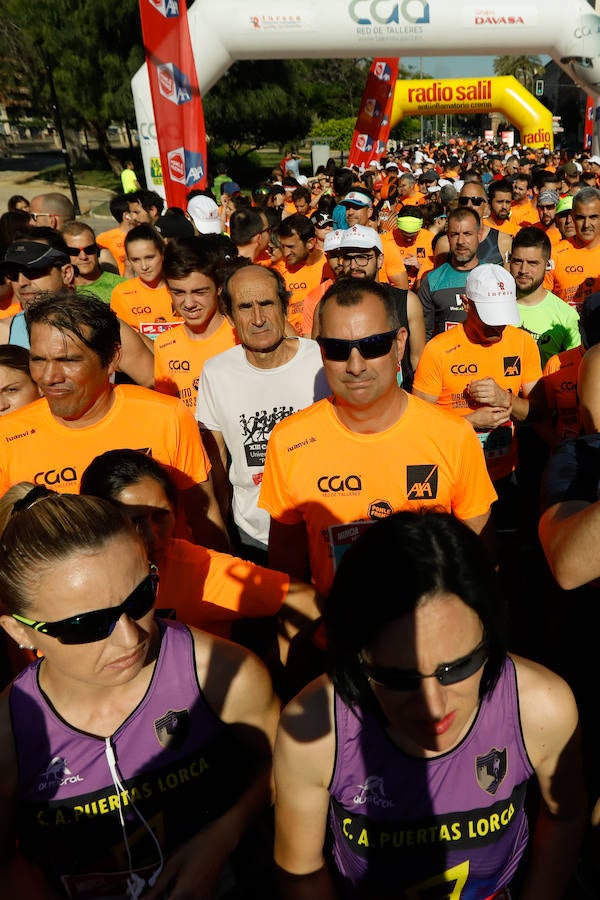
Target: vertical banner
[[178, 113], [372, 128], [588, 130]]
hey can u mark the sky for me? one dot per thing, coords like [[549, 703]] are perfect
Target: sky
[[455, 66]]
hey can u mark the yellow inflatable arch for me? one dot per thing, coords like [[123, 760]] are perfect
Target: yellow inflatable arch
[[477, 95]]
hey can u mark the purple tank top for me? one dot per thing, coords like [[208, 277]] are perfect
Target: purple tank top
[[176, 761], [449, 826]]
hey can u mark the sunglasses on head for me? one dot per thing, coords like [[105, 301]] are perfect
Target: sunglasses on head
[[90, 250], [89, 627], [448, 673], [371, 347], [476, 201]]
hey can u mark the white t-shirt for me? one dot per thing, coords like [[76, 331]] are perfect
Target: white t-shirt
[[245, 403]]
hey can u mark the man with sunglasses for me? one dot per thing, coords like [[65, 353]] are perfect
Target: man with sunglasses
[[367, 451], [51, 210], [85, 254], [494, 245]]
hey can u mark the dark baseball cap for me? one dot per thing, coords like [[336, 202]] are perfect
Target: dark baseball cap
[[32, 255], [174, 225]]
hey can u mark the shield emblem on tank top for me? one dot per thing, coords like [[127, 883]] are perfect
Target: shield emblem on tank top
[[173, 728], [491, 769]]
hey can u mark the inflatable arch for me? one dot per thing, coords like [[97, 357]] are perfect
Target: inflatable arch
[[231, 30], [476, 95]]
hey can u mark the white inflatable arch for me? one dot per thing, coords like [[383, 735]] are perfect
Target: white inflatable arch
[[229, 30]]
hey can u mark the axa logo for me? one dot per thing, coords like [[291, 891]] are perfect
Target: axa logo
[[364, 143], [185, 166], [382, 12], [338, 484], [57, 774], [464, 369], [422, 482], [55, 476], [173, 84], [382, 71], [167, 8], [179, 365], [512, 365], [141, 310]]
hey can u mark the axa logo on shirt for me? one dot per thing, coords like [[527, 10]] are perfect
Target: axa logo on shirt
[[179, 365], [464, 369], [167, 8], [337, 484], [422, 482], [173, 84], [512, 365], [384, 12], [56, 476], [186, 166], [57, 774]]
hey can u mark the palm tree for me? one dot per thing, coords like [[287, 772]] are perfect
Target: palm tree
[[524, 68]]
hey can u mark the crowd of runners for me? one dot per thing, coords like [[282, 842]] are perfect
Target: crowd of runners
[[328, 444]]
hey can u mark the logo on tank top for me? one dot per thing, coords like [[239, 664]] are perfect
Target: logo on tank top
[[512, 365], [421, 482], [372, 793], [491, 769], [173, 728], [57, 774]]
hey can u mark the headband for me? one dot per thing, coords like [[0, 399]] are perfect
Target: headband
[[410, 224]]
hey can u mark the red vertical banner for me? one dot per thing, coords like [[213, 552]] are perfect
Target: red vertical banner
[[588, 131], [176, 100], [372, 128]]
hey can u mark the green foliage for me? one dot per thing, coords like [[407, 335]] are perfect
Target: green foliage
[[336, 132], [524, 68], [256, 103]]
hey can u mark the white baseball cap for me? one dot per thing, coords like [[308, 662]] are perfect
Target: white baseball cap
[[361, 237], [333, 240], [205, 214], [493, 291]]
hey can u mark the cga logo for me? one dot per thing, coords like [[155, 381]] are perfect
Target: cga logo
[[337, 484], [186, 166], [574, 269], [173, 84], [54, 476], [588, 27], [167, 8], [179, 366], [464, 369], [141, 310], [384, 12]]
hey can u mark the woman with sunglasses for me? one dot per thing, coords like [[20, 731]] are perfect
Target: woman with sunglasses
[[135, 752], [410, 762]]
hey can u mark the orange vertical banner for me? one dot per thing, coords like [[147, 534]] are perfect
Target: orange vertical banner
[[176, 100], [372, 128]]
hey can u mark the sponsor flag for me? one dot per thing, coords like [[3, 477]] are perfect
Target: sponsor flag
[[176, 98], [372, 128], [588, 131]]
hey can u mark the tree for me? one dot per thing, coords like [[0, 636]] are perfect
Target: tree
[[257, 103], [524, 68], [337, 132], [93, 49]]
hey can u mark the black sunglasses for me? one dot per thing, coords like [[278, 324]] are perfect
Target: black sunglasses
[[448, 673], [371, 347], [476, 201], [11, 273], [99, 624], [90, 250]]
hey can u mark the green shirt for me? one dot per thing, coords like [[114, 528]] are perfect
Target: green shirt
[[102, 287], [553, 324]]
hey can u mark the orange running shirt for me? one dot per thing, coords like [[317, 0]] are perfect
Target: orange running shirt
[[576, 272], [450, 361], [179, 360], [507, 227], [560, 383], [394, 252], [137, 304], [300, 281], [311, 301], [524, 214], [114, 240], [210, 590], [320, 472], [35, 447]]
